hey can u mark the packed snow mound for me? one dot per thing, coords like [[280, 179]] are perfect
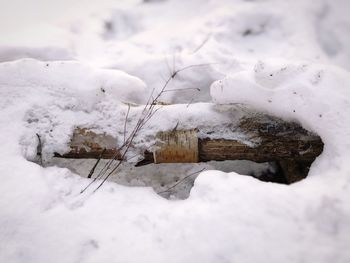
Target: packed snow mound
[[72, 79], [48, 53], [317, 96], [225, 212], [152, 40], [226, 35], [54, 97]]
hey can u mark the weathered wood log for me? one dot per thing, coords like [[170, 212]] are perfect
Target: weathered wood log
[[288, 141], [177, 147], [275, 149], [88, 144], [266, 139]]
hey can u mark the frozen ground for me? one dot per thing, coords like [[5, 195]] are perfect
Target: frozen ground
[[287, 58]]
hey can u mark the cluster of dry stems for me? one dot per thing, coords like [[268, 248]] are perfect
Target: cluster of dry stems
[[147, 113]]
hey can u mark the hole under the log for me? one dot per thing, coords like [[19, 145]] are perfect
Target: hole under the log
[[162, 177]]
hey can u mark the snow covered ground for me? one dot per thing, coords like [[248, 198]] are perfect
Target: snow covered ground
[[78, 65]]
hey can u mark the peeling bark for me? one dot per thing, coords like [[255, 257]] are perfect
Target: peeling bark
[[286, 143]]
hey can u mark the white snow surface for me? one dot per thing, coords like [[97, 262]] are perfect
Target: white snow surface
[[290, 59]]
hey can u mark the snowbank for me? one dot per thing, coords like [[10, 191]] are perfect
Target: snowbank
[[54, 97], [228, 217], [72, 79], [226, 35], [151, 39], [49, 53], [315, 95]]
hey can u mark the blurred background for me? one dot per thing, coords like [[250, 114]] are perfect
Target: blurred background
[[153, 38]]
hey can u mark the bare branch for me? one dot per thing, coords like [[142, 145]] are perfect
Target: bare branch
[[189, 103], [198, 89], [196, 65], [39, 150], [126, 119], [202, 44], [146, 114], [95, 165], [179, 182], [177, 124]]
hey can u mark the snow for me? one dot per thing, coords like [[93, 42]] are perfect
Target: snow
[[162, 177], [288, 59], [54, 97], [294, 91]]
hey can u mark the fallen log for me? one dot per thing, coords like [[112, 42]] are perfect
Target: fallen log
[[267, 139], [87, 144]]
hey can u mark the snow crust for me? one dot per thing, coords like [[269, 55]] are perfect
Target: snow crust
[[289, 59]]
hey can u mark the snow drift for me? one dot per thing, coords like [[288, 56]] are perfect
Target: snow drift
[[228, 217]]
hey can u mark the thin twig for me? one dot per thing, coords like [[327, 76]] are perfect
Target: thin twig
[[189, 103], [39, 150], [137, 155], [106, 167], [177, 124], [95, 165], [202, 44], [139, 125], [126, 119], [146, 114], [114, 169], [198, 89], [179, 182], [115, 156], [196, 65]]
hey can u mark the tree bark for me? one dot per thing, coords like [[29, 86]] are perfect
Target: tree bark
[[267, 139]]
